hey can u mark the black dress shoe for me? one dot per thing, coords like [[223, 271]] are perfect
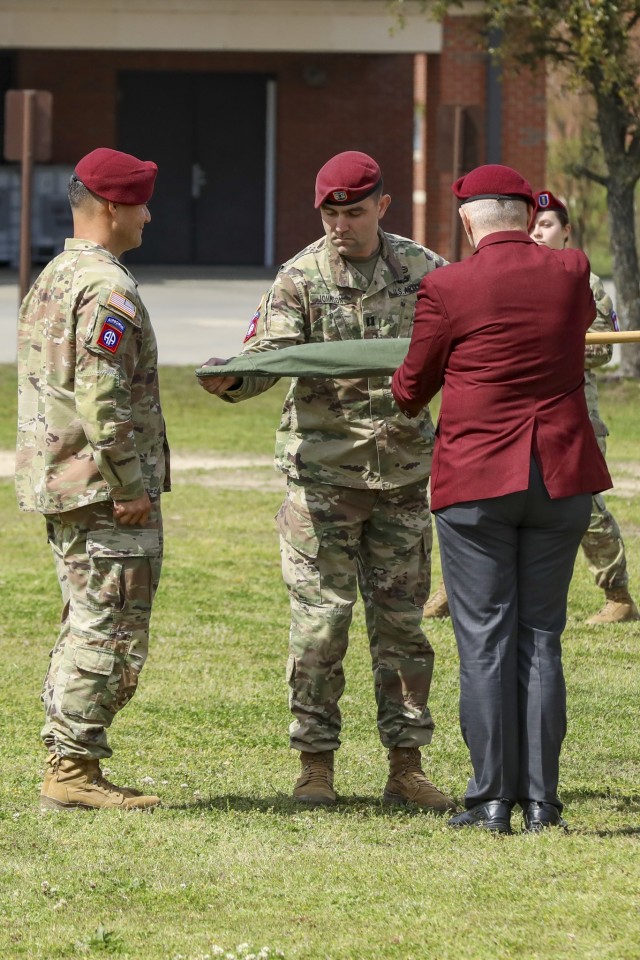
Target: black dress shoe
[[492, 815], [539, 815]]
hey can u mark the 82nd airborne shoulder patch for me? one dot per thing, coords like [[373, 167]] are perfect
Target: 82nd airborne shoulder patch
[[111, 334]]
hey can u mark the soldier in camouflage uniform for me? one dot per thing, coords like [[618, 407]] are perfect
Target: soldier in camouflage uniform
[[92, 457], [356, 512], [602, 544]]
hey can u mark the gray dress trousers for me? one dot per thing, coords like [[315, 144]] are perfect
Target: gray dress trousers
[[507, 563]]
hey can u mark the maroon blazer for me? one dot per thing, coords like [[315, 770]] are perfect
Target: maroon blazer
[[503, 334]]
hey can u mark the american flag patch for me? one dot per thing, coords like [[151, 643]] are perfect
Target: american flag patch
[[121, 303]]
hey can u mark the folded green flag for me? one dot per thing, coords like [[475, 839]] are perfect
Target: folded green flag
[[340, 359]]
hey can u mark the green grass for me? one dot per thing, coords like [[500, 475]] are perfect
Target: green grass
[[196, 422], [229, 859]]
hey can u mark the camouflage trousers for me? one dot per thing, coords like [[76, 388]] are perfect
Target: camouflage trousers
[[332, 541], [602, 543], [604, 548], [108, 575]]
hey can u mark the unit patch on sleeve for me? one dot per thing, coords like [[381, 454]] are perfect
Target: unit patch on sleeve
[[120, 303], [111, 334]]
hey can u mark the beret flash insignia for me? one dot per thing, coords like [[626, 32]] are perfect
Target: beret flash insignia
[[253, 326]]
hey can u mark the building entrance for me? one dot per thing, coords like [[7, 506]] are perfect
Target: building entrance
[[211, 135]]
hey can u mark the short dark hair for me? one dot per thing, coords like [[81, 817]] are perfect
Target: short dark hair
[[77, 192], [561, 213]]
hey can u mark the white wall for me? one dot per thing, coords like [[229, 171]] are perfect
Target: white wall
[[337, 26]]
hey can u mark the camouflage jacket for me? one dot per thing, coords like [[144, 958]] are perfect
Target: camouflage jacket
[[90, 425], [597, 354], [345, 432]]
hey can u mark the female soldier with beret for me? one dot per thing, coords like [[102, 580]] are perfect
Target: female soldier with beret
[[602, 544]]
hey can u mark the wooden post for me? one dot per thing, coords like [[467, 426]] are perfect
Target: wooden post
[[27, 139], [28, 128], [458, 153]]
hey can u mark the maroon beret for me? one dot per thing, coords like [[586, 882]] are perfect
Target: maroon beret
[[545, 200], [493, 181], [347, 178], [117, 176]]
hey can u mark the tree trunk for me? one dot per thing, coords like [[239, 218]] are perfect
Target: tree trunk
[[623, 166], [626, 275]]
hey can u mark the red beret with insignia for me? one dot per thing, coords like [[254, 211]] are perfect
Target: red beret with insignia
[[347, 178], [493, 181], [117, 176], [545, 200]]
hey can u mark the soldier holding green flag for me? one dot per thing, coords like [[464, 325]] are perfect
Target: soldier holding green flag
[[356, 513]]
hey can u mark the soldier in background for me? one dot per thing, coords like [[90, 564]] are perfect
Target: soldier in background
[[602, 544], [356, 512], [92, 457]]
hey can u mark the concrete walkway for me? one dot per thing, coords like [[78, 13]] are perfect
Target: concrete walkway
[[197, 313]]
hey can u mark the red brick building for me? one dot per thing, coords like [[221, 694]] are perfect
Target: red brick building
[[240, 131]]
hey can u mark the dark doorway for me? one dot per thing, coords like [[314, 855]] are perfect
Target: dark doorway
[[208, 134], [7, 61]]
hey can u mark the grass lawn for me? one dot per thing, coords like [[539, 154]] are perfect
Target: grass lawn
[[228, 863]]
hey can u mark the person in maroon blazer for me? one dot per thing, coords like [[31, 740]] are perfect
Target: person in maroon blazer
[[514, 468]]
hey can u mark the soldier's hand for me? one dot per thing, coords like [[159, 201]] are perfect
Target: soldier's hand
[[133, 512], [217, 385]]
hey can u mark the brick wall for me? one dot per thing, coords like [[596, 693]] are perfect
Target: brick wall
[[458, 77], [326, 103]]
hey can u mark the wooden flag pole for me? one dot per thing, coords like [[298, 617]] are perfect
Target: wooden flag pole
[[616, 336]]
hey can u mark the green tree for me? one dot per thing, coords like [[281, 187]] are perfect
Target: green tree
[[573, 144], [597, 45]]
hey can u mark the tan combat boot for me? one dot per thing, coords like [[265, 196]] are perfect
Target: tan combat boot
[[315, 783], [408, 784], [77, 783], [438, 605], [50, 771], [619, 608]]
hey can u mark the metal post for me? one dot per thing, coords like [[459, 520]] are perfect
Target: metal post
[[28, 128]]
